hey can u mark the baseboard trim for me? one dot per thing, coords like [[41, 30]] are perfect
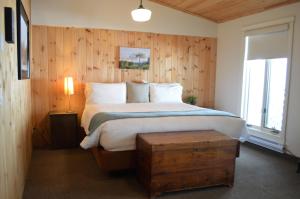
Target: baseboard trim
[[265, 143]]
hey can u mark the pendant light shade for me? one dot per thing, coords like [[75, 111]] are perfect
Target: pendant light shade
[[141, 14]]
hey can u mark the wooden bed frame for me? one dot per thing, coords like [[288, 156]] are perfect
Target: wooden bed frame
[[111, 160], [114, 160]]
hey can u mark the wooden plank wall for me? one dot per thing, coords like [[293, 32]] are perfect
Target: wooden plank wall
[[15, 116], [91, 55]]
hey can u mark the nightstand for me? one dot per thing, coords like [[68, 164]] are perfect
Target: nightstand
[[63, 129]]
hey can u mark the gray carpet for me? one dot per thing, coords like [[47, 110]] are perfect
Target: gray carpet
[[73, 174]]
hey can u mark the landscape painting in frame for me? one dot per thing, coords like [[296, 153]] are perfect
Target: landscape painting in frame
[[134, 58]]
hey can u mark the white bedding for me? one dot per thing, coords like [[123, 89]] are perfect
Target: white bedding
[[119, 135]]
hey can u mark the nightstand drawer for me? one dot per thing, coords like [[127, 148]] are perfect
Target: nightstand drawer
[[63, 129]]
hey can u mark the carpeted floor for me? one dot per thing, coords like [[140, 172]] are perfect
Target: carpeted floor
[[73, 174]]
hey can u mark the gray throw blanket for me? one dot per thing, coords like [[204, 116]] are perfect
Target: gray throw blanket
[[102, 117]]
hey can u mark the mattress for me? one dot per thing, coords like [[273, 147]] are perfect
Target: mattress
[[120, 134]]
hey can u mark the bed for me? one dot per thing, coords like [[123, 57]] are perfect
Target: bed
[[111, 128]]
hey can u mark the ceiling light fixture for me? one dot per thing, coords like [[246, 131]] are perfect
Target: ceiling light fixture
[[141, 14]]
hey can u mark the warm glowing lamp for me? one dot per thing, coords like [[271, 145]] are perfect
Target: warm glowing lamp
[[69, 89], [141, 14]]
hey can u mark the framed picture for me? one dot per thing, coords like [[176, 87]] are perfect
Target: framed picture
[[134, 58], [22, 42]]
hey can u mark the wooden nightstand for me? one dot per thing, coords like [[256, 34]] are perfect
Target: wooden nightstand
[[63, 129]]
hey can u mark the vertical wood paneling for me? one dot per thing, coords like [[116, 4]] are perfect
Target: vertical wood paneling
[[91, 55], [15, 116]]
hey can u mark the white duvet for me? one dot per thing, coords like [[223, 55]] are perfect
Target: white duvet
[[119, 135]]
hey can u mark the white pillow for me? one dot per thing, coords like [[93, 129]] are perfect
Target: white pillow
[[165, 93], [113, 93]]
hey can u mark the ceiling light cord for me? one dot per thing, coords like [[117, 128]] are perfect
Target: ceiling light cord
[[141, 5]]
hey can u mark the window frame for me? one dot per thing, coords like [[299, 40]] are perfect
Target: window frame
[[260, 131]]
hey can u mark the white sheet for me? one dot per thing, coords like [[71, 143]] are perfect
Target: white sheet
[[119, 135]]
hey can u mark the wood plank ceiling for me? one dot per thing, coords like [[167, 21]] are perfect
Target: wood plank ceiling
[[223, 10]]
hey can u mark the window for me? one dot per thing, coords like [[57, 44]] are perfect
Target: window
[[265, 77], [266, 92]]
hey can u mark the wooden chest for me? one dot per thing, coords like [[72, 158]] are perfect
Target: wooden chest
[[185, 160]]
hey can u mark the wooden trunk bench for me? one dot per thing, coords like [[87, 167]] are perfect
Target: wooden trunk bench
[[185, 160]]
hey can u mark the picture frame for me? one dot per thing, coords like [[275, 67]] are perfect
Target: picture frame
[[23, 43], [134, 58]]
